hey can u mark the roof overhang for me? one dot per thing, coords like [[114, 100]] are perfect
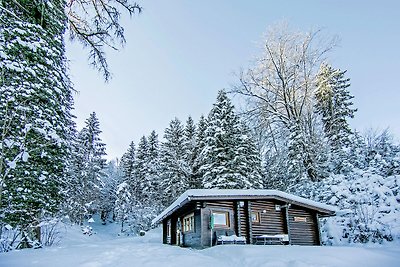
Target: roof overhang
[[238, 194]]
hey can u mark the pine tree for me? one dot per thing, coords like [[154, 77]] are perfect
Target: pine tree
[[140, 170], [249, 159], [35, 118], [128, 164], [86, 182], [173, 164], [123, 205], [334, 105], [111, 179], [190, 151], [198, 159], [226, 163], [152, 179]]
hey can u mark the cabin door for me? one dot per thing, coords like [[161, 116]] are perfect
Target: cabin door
[[178, 232]]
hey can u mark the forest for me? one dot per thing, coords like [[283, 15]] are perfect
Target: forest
[[290, 133]]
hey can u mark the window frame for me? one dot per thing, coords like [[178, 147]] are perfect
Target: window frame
[[188, 223], [226, 213], [257, 218]]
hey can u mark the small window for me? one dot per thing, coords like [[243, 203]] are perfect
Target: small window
[[300, 219], [255, 217], [169, 229], [221, 218], [188, 223]]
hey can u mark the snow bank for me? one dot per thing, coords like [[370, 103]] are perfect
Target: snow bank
[[148, 251]]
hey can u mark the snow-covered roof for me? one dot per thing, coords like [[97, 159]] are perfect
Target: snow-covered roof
[[235, 194]]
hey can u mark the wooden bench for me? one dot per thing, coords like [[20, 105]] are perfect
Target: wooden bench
[[228, 237], [280, 239]]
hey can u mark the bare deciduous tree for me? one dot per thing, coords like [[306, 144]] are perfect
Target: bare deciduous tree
[[96, 24], [279, 87]]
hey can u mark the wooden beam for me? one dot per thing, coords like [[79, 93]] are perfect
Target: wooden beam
[[318, 229], [238, 225], [249, 228], [164, 231], [288, 222]]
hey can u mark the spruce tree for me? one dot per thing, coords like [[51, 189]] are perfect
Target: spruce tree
[[226, 164], [111, 179], [190, 151], [152, 179], [86, 183], [173, 164], [198, 159], [334, 105], [123, 205], [35, 118], [128, 164], [140, 170]]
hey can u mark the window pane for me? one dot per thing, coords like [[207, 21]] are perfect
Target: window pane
[[220, 218], [255, 216], [188, 223]]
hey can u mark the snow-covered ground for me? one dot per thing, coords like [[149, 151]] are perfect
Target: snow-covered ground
[[104, 249]]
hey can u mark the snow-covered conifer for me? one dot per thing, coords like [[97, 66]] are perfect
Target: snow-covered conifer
[[35, 116], [173, 163], [86, 183], [123, 205], [190, 151], [128, 164], [224, 154], [333, 103]]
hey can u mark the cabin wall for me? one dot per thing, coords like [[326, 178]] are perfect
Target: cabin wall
[[243, 218], [176, 219], [209, 207], [300, 223], [271, 221], [303, 226], [193, 238]]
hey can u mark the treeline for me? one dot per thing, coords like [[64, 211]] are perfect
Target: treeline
[[216, 152]]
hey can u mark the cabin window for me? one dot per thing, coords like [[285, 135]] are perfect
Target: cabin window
[[300, 219], [188, 223], [221, 218], [255, 217], [169, 229]]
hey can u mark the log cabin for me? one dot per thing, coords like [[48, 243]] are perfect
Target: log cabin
[[201, 218]]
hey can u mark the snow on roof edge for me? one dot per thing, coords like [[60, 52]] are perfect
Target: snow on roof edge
[[235, 193]]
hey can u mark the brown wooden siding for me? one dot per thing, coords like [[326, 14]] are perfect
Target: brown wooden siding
[[206, 213], [221, 204], [303, 233], [272, 222], [243, 221], [224, 206]]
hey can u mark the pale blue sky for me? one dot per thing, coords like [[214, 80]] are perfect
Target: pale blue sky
[[180, 53]]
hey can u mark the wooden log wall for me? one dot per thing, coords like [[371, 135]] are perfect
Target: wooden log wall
[[303, 226], [244, 219], [206, 213], [229, 206], [193, 238], [272, 222], [221, 204]]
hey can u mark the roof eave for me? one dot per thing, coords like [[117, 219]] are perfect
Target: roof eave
[[160, 218], [324, 212]]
